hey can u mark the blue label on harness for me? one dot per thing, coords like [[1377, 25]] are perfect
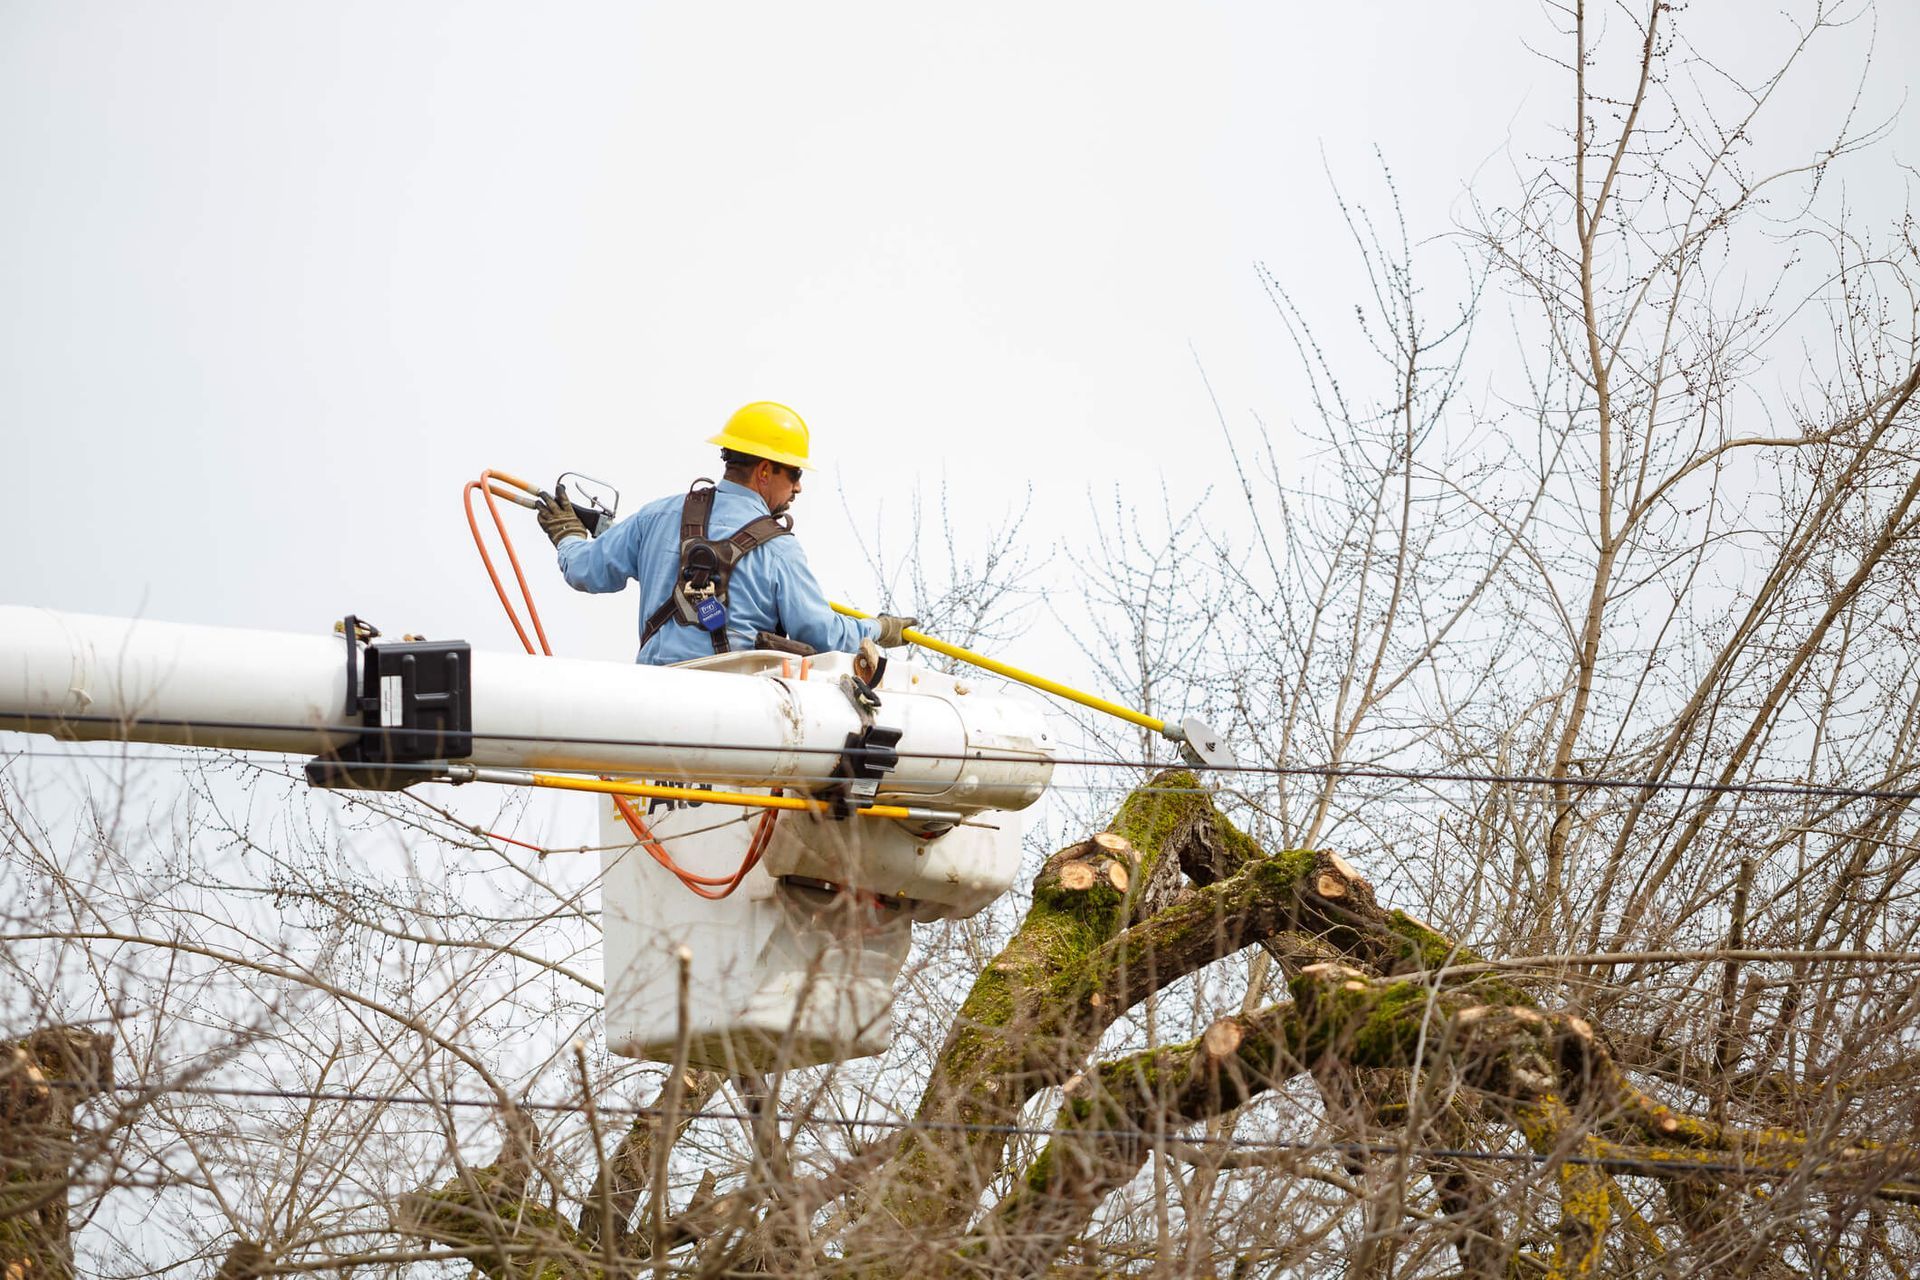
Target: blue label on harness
[[712, 614]]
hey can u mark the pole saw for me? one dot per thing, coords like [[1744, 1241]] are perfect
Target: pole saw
[[1199, 743]]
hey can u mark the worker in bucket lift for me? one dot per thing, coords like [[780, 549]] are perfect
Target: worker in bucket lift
[[718, 567]]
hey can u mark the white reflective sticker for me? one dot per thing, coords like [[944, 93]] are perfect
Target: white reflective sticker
[[390, 708]]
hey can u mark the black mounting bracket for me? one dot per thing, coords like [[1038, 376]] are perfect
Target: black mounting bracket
[[868, 755], [415, 699]]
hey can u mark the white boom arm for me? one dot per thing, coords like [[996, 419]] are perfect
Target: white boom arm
[[81, 676]]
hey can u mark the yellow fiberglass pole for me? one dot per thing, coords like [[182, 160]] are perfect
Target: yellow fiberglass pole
[[1011, 672], [616, 787]]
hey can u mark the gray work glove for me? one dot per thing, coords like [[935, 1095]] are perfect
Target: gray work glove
[[557, 518], [890, 636]]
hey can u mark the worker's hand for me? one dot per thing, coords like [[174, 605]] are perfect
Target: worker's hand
[[557, 518], [891, 630]]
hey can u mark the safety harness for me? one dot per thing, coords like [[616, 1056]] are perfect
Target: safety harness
[[699, 596]]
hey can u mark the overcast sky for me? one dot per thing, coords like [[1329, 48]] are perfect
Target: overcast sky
[[276, 279]]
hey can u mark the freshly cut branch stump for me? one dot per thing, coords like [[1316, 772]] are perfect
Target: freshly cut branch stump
[[1222, 1039], [1077, 876]]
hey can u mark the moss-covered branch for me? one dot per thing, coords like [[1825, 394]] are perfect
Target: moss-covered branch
[[1112, 921], [1113, 1114], [1037, 1010], [43, 1079], [620, 1182], [1547, 1075], [1586, 1190], [489, 1211]]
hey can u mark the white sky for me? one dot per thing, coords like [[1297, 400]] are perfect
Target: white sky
[[275, 279]]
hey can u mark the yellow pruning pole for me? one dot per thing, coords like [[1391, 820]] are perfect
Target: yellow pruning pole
[[696, 795], [1200, 744]]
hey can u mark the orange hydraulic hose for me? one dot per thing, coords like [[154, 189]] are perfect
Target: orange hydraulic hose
[[490, 484], [712, 888], [489, 491]]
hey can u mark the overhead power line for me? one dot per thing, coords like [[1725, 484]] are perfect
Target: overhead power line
[[173, 756], [1335, 772], [1618, 1163]]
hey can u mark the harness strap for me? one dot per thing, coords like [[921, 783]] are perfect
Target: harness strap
[[717, 560], [759, 531], [656, 620], [694, 512]]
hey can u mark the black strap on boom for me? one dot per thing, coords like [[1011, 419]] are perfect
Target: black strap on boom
[[707, 564]]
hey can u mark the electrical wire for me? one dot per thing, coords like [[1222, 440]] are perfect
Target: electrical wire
[[1619, 1163], [1334, 772], [1402, 798]]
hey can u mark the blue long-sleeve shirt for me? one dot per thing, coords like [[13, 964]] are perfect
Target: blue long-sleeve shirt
[[772, 588]]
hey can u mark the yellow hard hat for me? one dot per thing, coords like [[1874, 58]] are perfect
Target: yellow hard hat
[[767, 430]]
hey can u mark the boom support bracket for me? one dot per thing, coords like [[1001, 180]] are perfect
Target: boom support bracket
[[415, 698]]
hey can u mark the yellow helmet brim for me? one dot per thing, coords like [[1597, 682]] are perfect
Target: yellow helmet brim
[[759, 449]]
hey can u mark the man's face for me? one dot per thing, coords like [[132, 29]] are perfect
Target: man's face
[[779, 485]]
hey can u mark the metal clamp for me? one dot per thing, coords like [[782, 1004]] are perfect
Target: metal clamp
[[867, 757]]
